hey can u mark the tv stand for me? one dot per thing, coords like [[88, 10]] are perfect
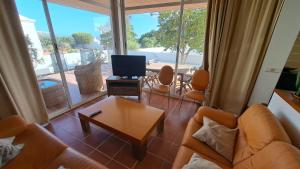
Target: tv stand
[[120, 86]]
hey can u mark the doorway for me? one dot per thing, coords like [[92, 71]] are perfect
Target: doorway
[[62, 38]]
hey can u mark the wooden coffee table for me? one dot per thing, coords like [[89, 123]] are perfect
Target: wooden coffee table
[[128, 119]]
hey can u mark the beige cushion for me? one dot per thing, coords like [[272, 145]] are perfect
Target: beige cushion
[[218, 137], [197, 162], [200, 147]]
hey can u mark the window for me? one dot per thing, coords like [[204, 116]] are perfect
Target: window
[[152, 29], [82, 33]]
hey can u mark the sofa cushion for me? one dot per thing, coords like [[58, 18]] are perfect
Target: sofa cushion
[[184, 154], [74, 160], [258, 128], [40, 149], [218, 137], [12, 126], [242, 149], [197, 162], [276, 155], [200, 147]]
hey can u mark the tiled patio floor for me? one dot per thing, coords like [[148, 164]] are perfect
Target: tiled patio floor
[[76, 97], [114, 152]]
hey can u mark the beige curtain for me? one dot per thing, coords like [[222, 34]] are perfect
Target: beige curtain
[[237, 37], [17, 77]]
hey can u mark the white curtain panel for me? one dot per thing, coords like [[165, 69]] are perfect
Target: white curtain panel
[[16, 70]]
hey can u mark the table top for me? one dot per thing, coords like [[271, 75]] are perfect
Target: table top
[[131, 119], [157, 66]]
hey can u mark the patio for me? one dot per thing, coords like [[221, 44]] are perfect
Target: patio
[[106, 69], [76, 96]]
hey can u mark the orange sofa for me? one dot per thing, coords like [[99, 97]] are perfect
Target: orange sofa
[[41, 149], [261, 142]]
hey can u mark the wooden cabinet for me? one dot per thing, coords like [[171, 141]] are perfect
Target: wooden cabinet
[[124, 87]]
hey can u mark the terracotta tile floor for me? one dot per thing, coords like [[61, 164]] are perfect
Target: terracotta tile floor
[[114, 152]]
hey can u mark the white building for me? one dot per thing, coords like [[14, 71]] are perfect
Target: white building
[[29, 30]]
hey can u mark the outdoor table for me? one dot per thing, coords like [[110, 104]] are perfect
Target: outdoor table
[[182, 70]]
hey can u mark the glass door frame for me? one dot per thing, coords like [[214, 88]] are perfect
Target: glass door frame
[[118, 25], [60, 65], [58, 60], [179, 36]]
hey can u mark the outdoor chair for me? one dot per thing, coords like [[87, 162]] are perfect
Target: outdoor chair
[[199, 84], [165, 79], [150, 78], [89, 77], [186, 83]]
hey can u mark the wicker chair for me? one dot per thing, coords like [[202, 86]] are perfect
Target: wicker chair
[[89, 77]]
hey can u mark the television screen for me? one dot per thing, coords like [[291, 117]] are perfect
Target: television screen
[[128, 65]]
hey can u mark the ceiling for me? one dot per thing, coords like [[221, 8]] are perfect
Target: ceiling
[[132, 6], [98, 6], [137, 6]]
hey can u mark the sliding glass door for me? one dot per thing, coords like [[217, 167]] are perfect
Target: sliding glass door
[[85, 45], [153, 30], [152, 33], [191, 44], [193, 34], [34, 25], [70, 45]]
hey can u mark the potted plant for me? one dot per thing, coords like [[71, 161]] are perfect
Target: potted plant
[[297, 93]]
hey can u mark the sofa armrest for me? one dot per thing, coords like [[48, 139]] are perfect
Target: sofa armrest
[[12, 126], [225, 118]]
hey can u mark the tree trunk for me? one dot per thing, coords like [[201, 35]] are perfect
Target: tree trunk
[[182, 56], [186, 55]]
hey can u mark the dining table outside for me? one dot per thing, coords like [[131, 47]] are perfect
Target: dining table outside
[[183, 70]]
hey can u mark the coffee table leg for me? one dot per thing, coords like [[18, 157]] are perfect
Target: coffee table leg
[[139, 150], [160, 126], [85, 125]]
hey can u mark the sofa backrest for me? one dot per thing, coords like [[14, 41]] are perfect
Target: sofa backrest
[[12, 126], [276, 155], [258, 127]]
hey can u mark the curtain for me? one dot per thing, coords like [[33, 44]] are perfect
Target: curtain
[[237, 37], [17, 77], [6, 108]]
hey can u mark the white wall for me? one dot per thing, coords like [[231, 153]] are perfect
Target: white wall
[[285, 33], [288, 116]]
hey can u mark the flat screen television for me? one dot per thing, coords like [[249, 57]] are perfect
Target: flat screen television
[[128, 65]]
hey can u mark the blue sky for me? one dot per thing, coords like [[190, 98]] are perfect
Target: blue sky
[[68, 20]]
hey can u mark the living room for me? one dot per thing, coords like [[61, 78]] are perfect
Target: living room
[[139, 84]]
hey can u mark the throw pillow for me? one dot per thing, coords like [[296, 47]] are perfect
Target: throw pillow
[[197, 162], [62, 167], [7, 150], [218, 137]]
